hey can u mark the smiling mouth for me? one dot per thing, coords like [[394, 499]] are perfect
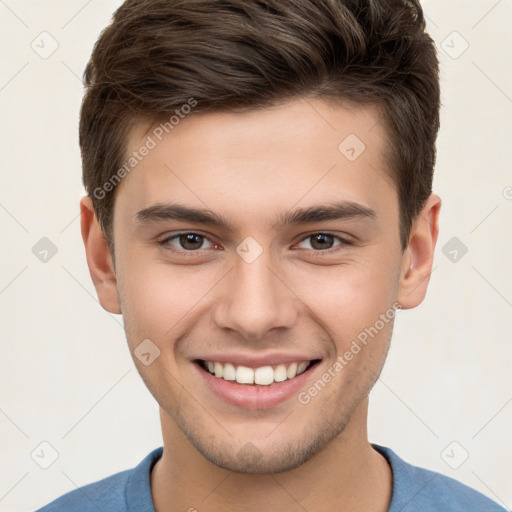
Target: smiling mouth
[[262, 376]]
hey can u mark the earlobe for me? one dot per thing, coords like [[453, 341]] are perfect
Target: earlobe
[[419, 255], [99, 258]]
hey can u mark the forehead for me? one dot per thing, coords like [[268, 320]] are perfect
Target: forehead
[[304, 151]]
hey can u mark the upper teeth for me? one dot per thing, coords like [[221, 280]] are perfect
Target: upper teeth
[[264, 375]]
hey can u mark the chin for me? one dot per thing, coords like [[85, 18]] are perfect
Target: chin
[[266, 456]]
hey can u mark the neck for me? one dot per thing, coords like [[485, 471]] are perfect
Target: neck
[[348, 474]]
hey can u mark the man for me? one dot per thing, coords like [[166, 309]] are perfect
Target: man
[[259, 179]]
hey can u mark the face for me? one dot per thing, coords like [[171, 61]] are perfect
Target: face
[[254, 254]]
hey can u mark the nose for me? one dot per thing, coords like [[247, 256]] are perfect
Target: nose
[[255, 300]]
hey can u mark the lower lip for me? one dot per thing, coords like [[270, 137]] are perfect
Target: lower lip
[[253, 396]]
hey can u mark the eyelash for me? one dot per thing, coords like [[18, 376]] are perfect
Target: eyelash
[[165, 243]]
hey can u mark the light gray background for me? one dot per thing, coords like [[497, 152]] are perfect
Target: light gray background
[[66, 376]]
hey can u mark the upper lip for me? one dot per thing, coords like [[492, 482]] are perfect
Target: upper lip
[[256, 361]]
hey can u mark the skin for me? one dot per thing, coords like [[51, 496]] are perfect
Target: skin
[[294, 298]]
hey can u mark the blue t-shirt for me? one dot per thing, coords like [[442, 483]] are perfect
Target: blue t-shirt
[[414, 490]]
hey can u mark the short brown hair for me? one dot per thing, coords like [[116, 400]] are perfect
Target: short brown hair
[[239, 55]]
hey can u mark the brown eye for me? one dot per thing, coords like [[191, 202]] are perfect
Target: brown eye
[[322, 242], [191, 241], [186, 242]]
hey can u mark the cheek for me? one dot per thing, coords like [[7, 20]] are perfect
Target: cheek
[[348, 300], [158, 298]]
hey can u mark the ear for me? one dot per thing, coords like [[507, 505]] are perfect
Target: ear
[[99, 259], [419, 255]]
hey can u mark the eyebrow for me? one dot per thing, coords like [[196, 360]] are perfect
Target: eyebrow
[[343, 210]]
